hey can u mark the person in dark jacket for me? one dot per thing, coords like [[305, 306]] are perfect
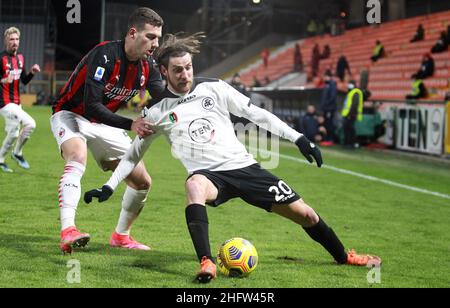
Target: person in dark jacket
[[341, 67], [420, 34], [315, 59], [442, 44], [298, 59], [328, 105], [326, 52], [309, 125], [426, 68]]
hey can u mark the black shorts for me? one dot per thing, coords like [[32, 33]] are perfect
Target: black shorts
[[252, 184]]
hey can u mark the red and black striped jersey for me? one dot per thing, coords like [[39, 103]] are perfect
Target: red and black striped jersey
[[104, 81], [12, 65]]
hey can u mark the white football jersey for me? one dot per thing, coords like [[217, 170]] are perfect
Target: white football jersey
[[200, 131]]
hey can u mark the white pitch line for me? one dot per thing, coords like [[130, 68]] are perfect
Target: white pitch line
[[364, 176]]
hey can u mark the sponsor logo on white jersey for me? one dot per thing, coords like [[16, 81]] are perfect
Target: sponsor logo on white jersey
[[201, 131]]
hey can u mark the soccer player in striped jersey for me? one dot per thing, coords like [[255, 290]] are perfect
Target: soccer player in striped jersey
[[195, 118], [84, 117], [19, 125]]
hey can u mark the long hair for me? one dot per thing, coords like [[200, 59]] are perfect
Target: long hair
[[177, 45]]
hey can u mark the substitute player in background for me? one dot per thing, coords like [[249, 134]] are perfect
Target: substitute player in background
[[195, 117], [84, 117], [12, 71]]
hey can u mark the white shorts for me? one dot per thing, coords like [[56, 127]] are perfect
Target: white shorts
[[14, 116], [106, 143]]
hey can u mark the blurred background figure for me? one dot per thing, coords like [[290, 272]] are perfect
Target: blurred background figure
[[265, 53], [441, 44], [418, 90], [298, 59], [426, 67], [326, 53], [378, 52], [328, 106], [237, 84], [420, 34], [342, 66], [309, 125], [315, 60], [351, 112]]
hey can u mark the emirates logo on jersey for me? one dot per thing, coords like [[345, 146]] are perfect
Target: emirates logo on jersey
[[201, 131]]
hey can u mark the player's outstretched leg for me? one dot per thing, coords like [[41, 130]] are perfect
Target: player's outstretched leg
[[318, 230], [132, 204], [199, 190]]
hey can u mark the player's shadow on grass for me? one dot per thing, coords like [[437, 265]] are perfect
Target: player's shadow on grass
[[31, 245], [303, 261], [153, 260]]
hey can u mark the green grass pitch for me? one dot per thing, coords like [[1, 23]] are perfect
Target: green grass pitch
[[409, 230]]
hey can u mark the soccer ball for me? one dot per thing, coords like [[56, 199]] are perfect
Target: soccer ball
[[237, 257]]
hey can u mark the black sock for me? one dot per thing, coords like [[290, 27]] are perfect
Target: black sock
[[197, 221], [326, 237]]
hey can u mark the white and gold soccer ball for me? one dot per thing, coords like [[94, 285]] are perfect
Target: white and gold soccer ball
[[237, 257]]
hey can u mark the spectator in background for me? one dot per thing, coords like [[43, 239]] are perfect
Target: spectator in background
[[364, 79], [418, 90], [321, 135], [341, 67], [309, 126], [442, 44], [298, 59], [426, 68], [378, 52], [352, 111], [326, 52], [256, 82], [312, 28], [328, 105], [420, 34], [448, 35], [237, 84], [315, 59], [265, 53]]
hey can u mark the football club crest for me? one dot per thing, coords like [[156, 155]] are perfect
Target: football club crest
[[142, 80], [208, 103]]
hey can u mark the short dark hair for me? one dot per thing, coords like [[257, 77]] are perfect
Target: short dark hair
[[142, 16], [177, 45]]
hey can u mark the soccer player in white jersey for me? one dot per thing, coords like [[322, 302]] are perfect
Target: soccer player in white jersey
[[195, 117]]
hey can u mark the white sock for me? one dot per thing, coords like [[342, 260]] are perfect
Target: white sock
[[132, 203], [23, 138], [7, 146], [70, 193]]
